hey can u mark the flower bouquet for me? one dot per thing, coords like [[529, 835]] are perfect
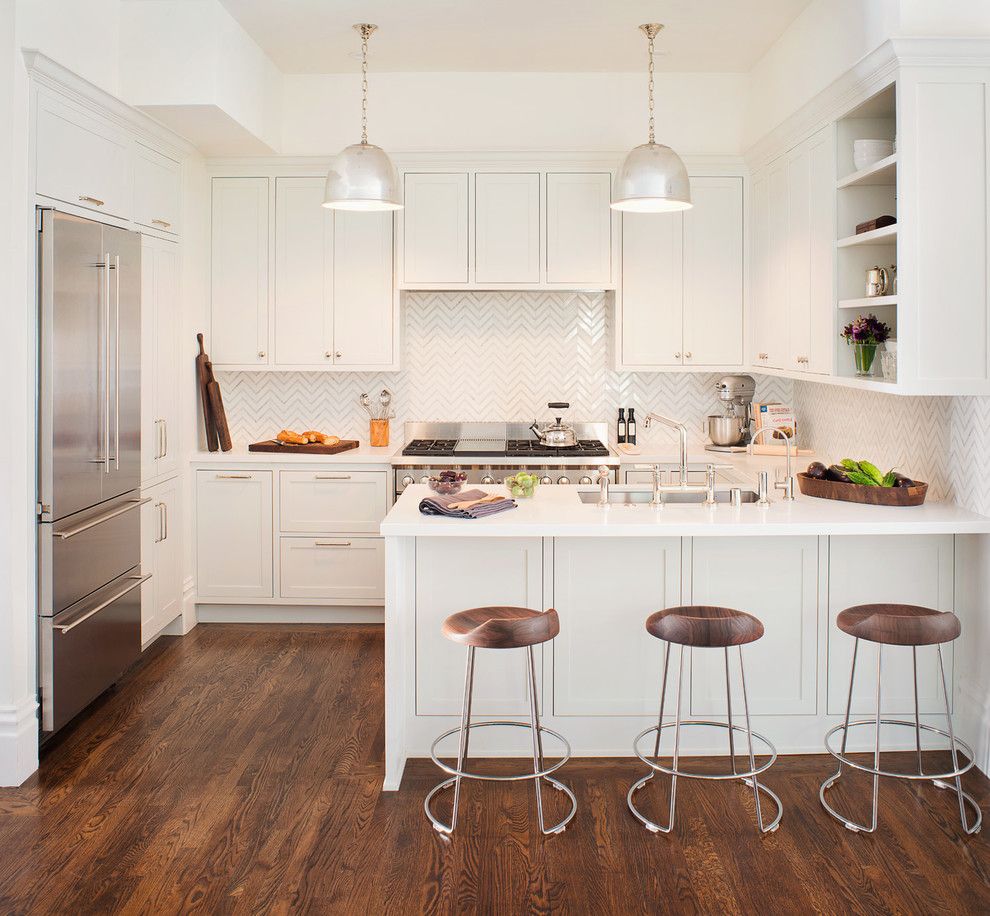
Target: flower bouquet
[[865, 335]]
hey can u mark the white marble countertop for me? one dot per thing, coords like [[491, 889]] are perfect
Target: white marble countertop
[[363, 454], [556, 511]]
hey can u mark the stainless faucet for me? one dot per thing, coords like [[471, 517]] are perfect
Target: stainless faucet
[[604, 476], [681, 430], [787, 484]]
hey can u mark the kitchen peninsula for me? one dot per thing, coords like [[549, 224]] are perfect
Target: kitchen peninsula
[[606, 568]]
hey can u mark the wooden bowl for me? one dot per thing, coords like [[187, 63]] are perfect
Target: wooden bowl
[[857, 493]]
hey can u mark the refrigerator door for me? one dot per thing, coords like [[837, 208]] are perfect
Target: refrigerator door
[[73, 414], [122, 253], [87, 647]]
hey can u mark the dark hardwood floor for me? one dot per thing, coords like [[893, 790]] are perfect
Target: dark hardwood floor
[[238, 770]]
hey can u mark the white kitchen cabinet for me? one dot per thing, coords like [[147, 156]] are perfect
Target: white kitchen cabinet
[[455, 574], [304, 257], [157, 190], [908, 569], [81, 158], [363, 312], [776, 580], [507, 227], [161, 595], [239, 272], [610, 667], [771, 332], [579, 229], [681, 301], [435, 228], [334, 568], [160, 326], [234, 533], [331, 501]]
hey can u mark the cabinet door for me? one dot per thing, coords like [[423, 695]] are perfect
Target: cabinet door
[[822, 254], [340, 568], [363, 311], [234, 534], [239, 272], [435, 228], [507, 228], [579, 229], [759, 275], [713, 273], [781, 668], [797, 256], [604, 661], [455, 574], [332, 501], [161, 596], [774, 322], [81, 158], [908, 569], [652, 289], [157, 190], [304, 239]]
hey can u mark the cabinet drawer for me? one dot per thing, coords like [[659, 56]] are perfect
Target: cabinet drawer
[[328, 502], [81, 159], [156, 190], [332, 567]]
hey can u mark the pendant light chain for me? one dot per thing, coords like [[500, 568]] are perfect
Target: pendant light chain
[[650, 87], [365, 35]]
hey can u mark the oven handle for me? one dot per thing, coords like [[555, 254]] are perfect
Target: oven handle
[[92, 523], [65, 627]]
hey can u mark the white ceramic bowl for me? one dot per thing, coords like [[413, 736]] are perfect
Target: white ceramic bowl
[[868, 152]]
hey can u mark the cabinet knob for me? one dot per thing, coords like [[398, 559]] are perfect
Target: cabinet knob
[[677, 355], [328, 355], [763, 356], [261, 353], [687, 354], [338, 354]]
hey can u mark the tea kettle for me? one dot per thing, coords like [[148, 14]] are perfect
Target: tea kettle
[[556, 434]]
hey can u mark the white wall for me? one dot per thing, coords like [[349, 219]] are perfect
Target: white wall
[[696, 112]]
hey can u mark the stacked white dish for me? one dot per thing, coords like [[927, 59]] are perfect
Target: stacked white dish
[[869, 152]]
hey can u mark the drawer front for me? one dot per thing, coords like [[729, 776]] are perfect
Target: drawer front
[[328, 502], [333, 567], [81, 159]]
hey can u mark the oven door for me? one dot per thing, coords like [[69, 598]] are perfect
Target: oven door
[[88, 646]]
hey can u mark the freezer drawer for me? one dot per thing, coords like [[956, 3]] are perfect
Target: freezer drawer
[[87, 647], [333, 567], [79, 554]]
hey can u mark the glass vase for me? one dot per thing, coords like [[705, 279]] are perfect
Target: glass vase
[[864, 355]]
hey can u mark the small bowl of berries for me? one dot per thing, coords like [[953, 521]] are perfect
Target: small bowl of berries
[[447, 483]]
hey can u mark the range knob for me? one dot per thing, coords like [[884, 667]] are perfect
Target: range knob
[[545, 479], [563, 480], [408, 481], [585, 479], [488, 479], [425, 478]]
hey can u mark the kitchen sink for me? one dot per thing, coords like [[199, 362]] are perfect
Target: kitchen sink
[[620, 497]]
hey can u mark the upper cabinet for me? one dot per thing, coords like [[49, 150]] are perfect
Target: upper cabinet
[[681, 297], [157, 190], [330, 304], [512, 229]]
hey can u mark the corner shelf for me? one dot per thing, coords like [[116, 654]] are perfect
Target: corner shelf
[[867, 302], [883, 172], [887, 235]]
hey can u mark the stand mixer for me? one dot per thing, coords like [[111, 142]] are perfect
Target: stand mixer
[[730, 431]]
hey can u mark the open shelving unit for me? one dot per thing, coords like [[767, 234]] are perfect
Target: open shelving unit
[[861, 195]]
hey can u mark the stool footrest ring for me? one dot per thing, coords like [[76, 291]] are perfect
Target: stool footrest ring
[[653, 764], [453, 771]]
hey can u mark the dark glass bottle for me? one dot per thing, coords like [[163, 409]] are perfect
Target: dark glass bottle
[[631, 427], [620, 427]]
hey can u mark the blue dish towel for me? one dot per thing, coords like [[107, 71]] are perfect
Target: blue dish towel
[[440, 505]]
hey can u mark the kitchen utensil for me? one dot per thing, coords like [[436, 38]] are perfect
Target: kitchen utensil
[[869, 152], [877, 282], [857, 493], [366, 404], [311, 448], [385, 399], [202, 380], [556, 434], [216, 409], [724, 430]]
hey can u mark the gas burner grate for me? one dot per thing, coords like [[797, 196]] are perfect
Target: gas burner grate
[[442, 448]]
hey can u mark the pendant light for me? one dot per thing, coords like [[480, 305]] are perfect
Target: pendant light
[[362, 177], [652, 178]]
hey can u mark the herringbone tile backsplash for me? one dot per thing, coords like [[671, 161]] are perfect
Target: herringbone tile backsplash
[[482, 356]]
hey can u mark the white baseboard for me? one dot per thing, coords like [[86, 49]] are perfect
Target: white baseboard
[[18, 741], [260, 613], [972, 721]]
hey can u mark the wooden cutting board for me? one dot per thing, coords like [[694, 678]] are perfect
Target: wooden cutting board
[[203, 382], [216, 409], [311, 448]]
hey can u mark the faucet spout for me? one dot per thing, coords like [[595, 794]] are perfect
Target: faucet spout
[[681, 431], [787, 484]]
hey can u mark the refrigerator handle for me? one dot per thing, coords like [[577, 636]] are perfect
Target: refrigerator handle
[[116, 365], [106, 363]]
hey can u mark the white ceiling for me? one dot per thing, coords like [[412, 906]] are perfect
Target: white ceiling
[[315, 36]]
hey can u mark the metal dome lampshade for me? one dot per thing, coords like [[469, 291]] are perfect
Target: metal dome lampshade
[[362, 176], [652, 178]]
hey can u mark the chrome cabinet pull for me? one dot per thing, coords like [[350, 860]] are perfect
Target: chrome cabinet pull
[[332, 476], [333, 543], [234, 477], [138, 580], [161, 536], [92, 523], [164, 223], [164, 438], [92, 200], [116, 365], [164, 521], [106, 365]]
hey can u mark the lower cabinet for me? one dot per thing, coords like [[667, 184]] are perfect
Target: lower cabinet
[[161, 595], [234, 534], [332, 567], [456, 574]]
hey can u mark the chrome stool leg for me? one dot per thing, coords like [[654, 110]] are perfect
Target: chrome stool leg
[[462, 749], [754, 782]]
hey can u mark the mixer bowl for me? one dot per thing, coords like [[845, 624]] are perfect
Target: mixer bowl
[[725, 430]]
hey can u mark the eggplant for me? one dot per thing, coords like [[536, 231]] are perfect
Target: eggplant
[[837, 473], [901, 481], [817, 470]]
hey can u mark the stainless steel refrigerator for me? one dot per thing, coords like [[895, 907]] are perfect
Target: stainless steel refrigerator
[[89, 461]]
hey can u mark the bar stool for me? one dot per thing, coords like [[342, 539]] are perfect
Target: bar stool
[[708, 628], [501, 628], [900, 625]]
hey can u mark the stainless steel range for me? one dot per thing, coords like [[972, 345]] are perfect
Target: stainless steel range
[[490, 452]]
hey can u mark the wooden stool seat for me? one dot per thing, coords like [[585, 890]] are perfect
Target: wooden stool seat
[[708, 627], [899, 624], [501, 627]]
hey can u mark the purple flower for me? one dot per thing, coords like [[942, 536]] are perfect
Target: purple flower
[[866, 329]]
